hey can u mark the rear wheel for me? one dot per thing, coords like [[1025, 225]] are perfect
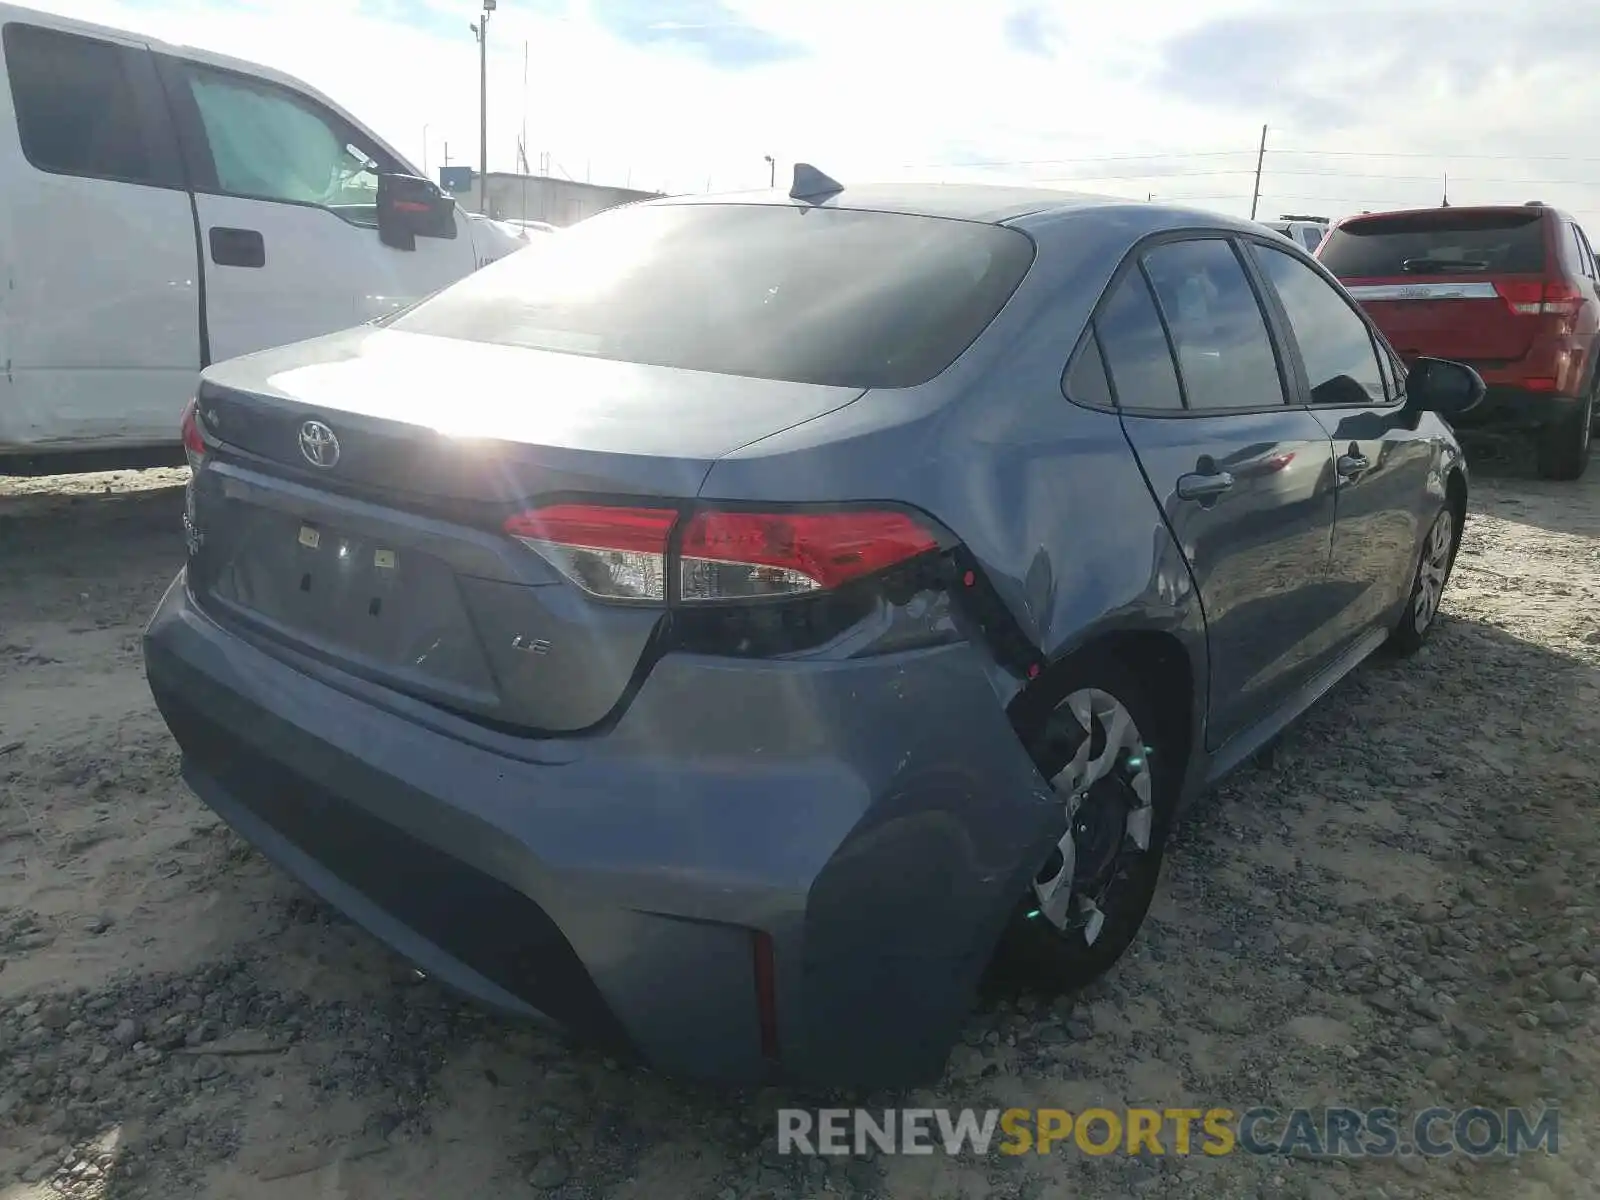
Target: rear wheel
[[1115, 787], [1563, 446], [1427, 585]]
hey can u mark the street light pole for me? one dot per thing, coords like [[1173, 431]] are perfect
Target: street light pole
[[772, 171], [482, 30]]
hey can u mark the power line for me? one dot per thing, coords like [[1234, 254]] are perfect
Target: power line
[[1440, 157], [1061, 162]]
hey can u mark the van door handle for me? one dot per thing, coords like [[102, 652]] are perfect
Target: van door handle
[[237, 247], [1202, 487]]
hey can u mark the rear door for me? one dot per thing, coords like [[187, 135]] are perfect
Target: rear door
[[99, 325], [1244, 478], [1444, 282], [286, 194], [1382, 461]]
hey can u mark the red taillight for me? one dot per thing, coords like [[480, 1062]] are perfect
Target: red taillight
[[609, 551], [741, 555], [620, 553], [194, 443], [1555, 297]]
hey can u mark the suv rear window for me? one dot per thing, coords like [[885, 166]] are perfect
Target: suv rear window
[[1437, 242], [809, 295]]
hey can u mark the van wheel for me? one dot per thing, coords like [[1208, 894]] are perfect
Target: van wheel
[[1117, 792], [1563, 447]]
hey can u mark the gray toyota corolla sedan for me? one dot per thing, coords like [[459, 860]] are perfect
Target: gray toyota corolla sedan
[[731, 624]]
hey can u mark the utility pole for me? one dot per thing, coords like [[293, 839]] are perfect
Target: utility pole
[[1444, 200], [1261, 154], [481, 29]]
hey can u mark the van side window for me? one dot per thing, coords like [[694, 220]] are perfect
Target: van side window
[[78, 112], [268, 144]]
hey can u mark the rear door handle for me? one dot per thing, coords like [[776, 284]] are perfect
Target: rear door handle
[[1350, 465], [1202, 487], [237, 247]]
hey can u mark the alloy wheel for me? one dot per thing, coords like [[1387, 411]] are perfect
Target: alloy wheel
[[1432, 571], [1104, 783]]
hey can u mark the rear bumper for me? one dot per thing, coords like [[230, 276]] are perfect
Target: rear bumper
[[1512, 409], [872, 821]]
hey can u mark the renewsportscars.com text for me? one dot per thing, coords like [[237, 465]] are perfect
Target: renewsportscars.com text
[[1334, 1132]]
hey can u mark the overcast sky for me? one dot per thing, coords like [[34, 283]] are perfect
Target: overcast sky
[[1368, 107]]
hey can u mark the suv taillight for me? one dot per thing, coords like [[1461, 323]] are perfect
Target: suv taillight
[[1554, 297], [194, 442]]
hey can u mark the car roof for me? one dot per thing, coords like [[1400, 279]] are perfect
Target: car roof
[[996, 204]]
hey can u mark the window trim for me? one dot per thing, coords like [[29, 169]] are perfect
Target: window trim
[[1292, 343], [156, 123]]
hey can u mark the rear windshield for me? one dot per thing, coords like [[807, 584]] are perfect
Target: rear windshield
[[809, 295], [1437, 242]]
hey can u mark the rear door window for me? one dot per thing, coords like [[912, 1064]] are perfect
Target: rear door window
[[1087, 381], [832, 296], [1337, 347], [1438, 242], [1225, 354], [81, 112], [1137, 354]]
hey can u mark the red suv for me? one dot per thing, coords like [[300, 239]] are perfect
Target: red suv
[[1509, 290]]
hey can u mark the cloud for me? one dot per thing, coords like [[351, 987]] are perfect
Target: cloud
[[1367, 106], [708, 27], [1030, 31]]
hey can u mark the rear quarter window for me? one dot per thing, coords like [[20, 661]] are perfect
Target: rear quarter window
[[831, 296], [1437, 242]]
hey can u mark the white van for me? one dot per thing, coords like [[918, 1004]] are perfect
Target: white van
[[163, 208]]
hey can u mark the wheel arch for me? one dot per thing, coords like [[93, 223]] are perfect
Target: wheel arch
[[1158, 658], [1455, 495]]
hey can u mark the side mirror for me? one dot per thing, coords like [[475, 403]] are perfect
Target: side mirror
[[1442, 386], [409, 208]]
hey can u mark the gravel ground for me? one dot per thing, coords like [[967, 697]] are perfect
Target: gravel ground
[[1397, 906]]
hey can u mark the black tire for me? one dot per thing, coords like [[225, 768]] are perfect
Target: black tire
[[1421, 612], [1562, 449], [1034, 953]]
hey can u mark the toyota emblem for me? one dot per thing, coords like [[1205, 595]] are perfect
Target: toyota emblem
[[319, 444]]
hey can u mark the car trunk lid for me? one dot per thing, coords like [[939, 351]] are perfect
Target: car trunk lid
[[388, 559]]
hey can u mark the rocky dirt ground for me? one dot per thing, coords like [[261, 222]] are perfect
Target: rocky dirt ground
[[1397, 906]]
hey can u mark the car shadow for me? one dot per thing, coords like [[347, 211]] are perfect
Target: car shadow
[[1506, 484]]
